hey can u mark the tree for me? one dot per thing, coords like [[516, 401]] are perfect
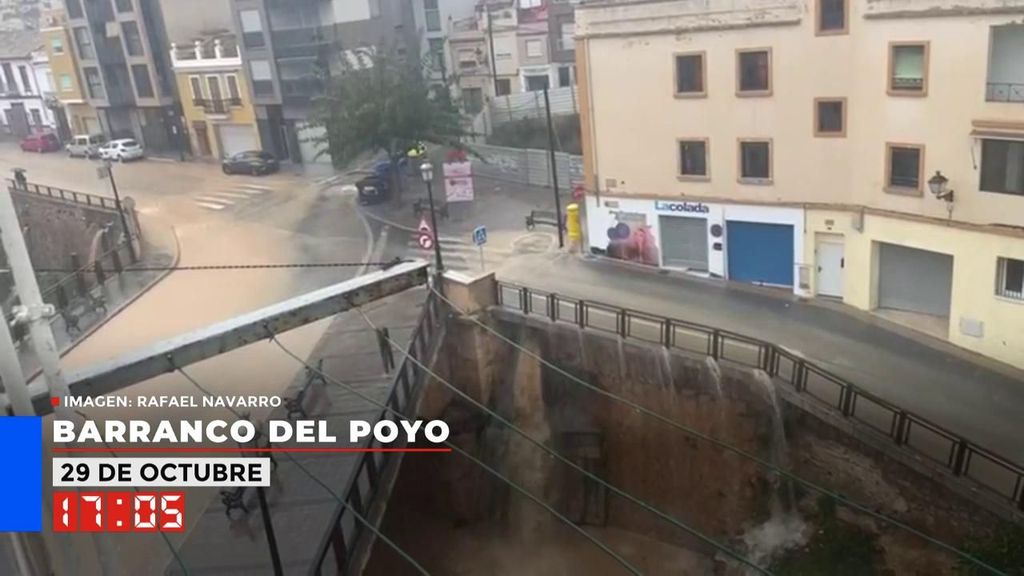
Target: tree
[[385, 106]]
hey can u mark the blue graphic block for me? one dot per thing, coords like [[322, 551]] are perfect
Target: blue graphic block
[[21, 476]]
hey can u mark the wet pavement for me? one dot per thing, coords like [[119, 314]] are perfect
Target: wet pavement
[[975, 397]]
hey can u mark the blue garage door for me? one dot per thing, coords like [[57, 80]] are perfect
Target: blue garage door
[[760, 252]]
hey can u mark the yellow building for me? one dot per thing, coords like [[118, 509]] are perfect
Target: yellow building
[[870, 151], [214, 99], [80, 117]]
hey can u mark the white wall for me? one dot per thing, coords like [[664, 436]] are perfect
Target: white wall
[[351, 10]]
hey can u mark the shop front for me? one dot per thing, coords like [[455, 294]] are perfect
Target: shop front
[[745, 243]]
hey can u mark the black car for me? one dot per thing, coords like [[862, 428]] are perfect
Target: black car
[[253, 162]]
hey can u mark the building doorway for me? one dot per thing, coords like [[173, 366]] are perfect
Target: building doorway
[[830, 262], [202, 137]]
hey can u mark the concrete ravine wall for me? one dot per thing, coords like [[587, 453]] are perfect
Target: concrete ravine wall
[[447, 508]]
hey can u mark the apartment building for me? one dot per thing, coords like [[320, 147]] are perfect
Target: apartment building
[[434, 20], [25, 87], [120, 48], [216, 104], [869, 151], [73, 115], [292, 47]]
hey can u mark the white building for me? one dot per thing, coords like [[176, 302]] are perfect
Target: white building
[[26, 84], [434, 20]]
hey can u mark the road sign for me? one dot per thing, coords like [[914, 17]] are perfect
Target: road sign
[[426, 241], [480, 235], [424, 228]]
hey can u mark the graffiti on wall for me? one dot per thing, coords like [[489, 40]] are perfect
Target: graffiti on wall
[[631, 238]]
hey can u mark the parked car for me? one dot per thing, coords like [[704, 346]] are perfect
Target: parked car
[[255, 162], [121, 150], [44, 142], [87, 146]]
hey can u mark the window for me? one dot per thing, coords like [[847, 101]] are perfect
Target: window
[[1002, 166], [432, 15], [132, 39], [504, 86], [12, 85], [252, 29], [832, 16], [1010, 278], [66, 84], [537, 83], [93, 82], [534, 49], [262, 80], [25, 82], [123, 5], [233, 92], [830, 117], [524, 4], [436, 48], [74, 9], [904, 168], [57, 45], [753, 71], [565, 77], [83, 40], [908, 68], [755, 161], [143, 84], [693, 159], [196, 86], [566, 40], [473, 100], [690, 74], [37, 117], [213, 84]]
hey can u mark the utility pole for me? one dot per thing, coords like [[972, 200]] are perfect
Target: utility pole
[[120, 211], [37, 314], [554, 169], [490, 40]]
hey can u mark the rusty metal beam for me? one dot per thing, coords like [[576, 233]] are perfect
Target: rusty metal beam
[[185, 349]]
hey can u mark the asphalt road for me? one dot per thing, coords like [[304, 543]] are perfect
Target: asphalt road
[[218, 219]]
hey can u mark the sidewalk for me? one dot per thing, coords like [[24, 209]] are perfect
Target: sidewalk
[[978, 398], [119, 291]]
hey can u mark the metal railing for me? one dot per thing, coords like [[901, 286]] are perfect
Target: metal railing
[[66, 195], [371, 470], [1004, 92], [906, 429], [222, 106]]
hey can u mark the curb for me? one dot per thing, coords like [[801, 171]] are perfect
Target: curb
[[117, 310], [382, 220]]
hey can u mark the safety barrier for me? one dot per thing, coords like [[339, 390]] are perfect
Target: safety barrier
[[906, 429]]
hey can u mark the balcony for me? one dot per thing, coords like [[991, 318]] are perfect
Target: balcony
[[306, 42], [204, 54], [220, 107], [1004, 92]]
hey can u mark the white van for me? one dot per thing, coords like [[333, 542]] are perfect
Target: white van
[[86, 146]]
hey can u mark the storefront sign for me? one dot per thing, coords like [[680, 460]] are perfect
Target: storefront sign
[[685, 207]]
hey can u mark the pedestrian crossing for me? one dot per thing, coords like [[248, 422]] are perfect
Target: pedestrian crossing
[[236, 195]]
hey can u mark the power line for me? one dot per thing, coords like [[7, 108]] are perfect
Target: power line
[[675, 522], [722, 444], [511, 483], [314, 478], [232, 267], [163, 536]]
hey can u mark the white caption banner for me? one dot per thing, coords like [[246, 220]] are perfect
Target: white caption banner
[[160, 472]]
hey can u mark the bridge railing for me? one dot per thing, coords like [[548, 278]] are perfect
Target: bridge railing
[[339, 547], [66, 195], [907, 430]]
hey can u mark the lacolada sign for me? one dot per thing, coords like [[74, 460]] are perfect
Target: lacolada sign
[[684, 207]]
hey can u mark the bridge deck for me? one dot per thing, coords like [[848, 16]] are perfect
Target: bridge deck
[[301, 509]]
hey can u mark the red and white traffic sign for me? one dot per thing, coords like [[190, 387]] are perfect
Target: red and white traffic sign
[[426, 241], [424, 228]]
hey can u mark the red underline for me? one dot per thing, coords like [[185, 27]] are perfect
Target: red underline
[[168, 450]]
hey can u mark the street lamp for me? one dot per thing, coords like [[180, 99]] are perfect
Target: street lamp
[[939, 186], [427, 173]]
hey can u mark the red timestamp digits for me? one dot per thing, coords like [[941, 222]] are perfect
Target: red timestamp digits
[[118, 512]]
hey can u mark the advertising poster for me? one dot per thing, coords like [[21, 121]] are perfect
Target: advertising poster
[[458, 181]]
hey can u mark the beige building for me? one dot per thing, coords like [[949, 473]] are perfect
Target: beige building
[[870, 151]]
